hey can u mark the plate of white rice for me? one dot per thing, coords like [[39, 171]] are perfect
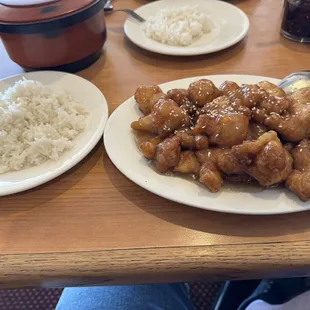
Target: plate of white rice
[[183, 28], [49, 121]]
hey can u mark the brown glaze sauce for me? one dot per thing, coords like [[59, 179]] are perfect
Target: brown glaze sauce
[[230, 185], [141, 136]]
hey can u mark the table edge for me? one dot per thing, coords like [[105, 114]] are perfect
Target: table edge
[[155, 265]]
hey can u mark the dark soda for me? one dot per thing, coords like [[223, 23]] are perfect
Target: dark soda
[[296, 20]]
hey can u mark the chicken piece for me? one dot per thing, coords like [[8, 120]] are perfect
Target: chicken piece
[[202, 92], [201, 142], [299, 180], [247, 95], [301, 155], [190, 109], [211, 177], [226, 162], [228, 87], [272, 89], [167, 154], [256, 130], [265, 159], [293, 126], [178, 95], [222, 105], [209, 174], [187, 139], [223, 159], [273, 100], [214, 163], [191, 142], [188, 163], [156, 140], [299, 183], [263, 98], [148, 148], [205, 155], [224, 123], [147, 96], [268, 106], [166, 116]]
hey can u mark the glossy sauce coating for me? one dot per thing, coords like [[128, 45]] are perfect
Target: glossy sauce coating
[[241, 133]]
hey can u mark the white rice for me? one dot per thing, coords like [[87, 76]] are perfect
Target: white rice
[[36, 124], [177, 26]]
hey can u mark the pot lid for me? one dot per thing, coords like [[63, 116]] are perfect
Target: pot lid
[[33, 11]]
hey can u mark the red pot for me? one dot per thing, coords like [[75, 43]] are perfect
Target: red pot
[[65, 34]]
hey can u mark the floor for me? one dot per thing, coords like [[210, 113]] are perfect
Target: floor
[[29, 299], [203, 295]]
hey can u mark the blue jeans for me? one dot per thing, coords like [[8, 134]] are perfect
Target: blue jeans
[[136, 297]]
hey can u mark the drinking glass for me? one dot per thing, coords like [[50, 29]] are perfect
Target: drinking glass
[[296, 20]]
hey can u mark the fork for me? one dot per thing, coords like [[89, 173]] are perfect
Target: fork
[[110, 9]]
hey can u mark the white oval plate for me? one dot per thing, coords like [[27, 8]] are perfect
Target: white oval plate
[[239, 199], [95, 103], [230, 26]]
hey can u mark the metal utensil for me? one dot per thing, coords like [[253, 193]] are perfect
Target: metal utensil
[[110, 9], [295, 81], [108, 4]]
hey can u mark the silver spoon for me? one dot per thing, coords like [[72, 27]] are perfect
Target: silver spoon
[[110, 9], [107, 4], [295, 81]]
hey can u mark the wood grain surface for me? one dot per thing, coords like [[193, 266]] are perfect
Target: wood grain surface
[[92, 225]]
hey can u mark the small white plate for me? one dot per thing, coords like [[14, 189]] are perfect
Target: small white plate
[[236, 198], [230, 26], [94, 102]]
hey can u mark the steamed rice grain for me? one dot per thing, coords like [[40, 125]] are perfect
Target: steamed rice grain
[[37, 124], [179, 26]]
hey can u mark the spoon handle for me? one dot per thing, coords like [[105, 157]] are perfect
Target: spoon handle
[[129, 12], [107, 4], [132, 14]]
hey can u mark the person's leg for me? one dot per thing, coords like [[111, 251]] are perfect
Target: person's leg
[[279, 294], [136, 297], [300, 302]]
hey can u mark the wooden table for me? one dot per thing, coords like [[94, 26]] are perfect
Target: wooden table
[[94, 226]]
